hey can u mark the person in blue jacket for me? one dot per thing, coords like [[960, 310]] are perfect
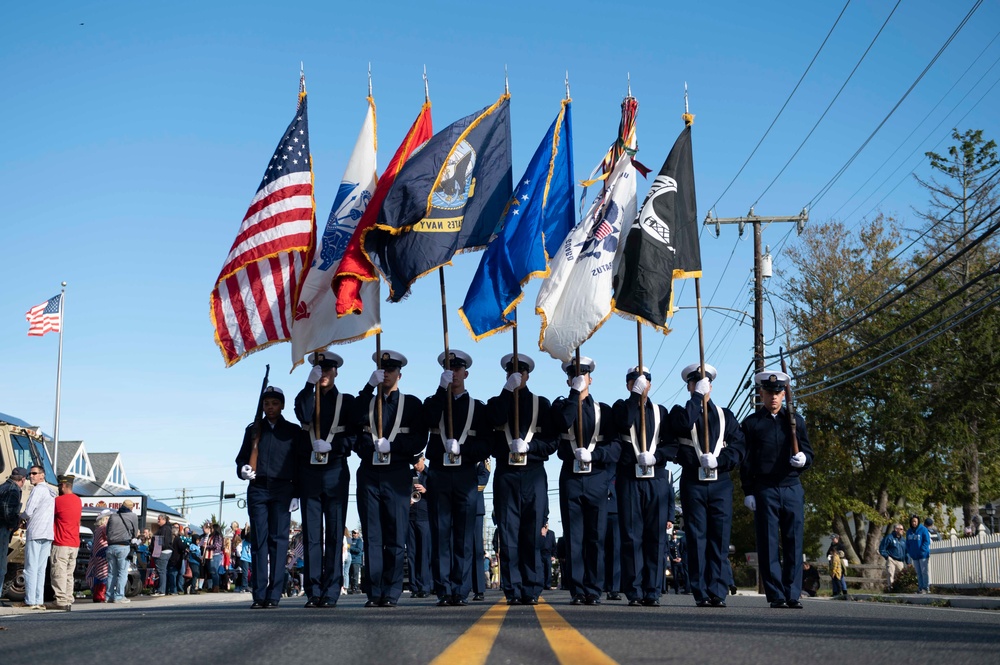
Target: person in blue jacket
[[918, 548], [893, 550]]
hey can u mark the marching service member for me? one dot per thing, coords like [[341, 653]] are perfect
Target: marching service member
[[454, 451], [393, 432], [268, 460], [589, 448], [706, 488], [645, 499], [324, 477], [520, 487], [776, 455]]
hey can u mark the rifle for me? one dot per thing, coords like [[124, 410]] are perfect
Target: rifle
[[789, 404], [258, 419]]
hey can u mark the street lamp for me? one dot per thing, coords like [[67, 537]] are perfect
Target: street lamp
[[990, 511]]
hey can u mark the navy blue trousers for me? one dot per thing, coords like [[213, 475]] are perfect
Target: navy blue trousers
[[583, 502], [642, 507], [384, 508], [452, 497], [270, 523], [708, 514], [779, 522], [522, 502]]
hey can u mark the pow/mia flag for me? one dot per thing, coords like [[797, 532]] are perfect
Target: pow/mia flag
[[448, 197], [662, 244]]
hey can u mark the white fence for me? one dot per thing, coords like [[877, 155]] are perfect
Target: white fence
[[964, 563]]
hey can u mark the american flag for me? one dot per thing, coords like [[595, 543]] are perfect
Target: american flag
[[255, 295], [45, 317], [603, 230]]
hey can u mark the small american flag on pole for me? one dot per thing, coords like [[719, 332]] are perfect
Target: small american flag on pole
[[45, 317], [255, 295], [603, 230]]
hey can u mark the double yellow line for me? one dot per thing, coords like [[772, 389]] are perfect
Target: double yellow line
[[569, 645]]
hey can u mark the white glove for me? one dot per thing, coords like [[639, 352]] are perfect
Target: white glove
[[750, 502], [518, 446], [640, 385], [513, 382], [247, 472], [709, 461], [798, 460], [582, 454], [647, 459], [383, 445], [452, 447], [321, 446], [578, 383], [447, 377], [703, 386], [377, 377], [314, 375], [293, 506]]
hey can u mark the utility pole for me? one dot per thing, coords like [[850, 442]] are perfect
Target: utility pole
[[761, 265], [183, 498]]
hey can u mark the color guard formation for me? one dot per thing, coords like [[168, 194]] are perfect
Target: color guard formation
[[425, 464]]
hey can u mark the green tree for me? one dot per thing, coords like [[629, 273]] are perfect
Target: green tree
[[962, 363]]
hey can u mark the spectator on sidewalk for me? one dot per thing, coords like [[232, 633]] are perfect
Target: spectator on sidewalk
[[10, 509], [810, 579], [175, 581], [893, 550], [38, 514], [96, 576], [931, 529], [122, 529], [164, 538], [194, 565], [66, 542], [918, 548], [838, 586], [357, 549]]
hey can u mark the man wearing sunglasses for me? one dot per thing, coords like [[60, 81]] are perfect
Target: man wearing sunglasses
[[38, 513]]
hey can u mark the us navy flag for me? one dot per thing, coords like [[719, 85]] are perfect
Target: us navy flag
[[448, 197], [662, 244]]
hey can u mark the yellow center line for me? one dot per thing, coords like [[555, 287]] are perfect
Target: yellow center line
[[474, 645], [569, 645]]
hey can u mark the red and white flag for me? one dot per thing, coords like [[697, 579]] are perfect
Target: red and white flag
[[254, 299], [44, 318]]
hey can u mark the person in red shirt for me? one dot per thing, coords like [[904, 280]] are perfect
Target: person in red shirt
[[66, 543]]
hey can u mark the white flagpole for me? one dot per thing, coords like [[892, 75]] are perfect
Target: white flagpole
[[55, 428]]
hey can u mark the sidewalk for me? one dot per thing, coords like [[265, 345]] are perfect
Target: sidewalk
[[138, 602], [935, 599]]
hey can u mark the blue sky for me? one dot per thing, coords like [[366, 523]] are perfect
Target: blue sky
[[136, 134]]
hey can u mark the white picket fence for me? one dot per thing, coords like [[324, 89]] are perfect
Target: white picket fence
[[964, 563]]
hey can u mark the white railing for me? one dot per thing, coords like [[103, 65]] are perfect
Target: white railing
[[964, 563]]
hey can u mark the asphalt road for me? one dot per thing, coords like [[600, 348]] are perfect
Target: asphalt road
[[223, 629]]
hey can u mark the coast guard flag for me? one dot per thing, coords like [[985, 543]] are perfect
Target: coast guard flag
[[539, 216], [316, 324], [356, 272], [449, 197], [576, 298], [255, 294], [662, 244], [45, 317]]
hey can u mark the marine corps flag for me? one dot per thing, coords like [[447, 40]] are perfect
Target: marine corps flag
[[447, 198], [662, 244]]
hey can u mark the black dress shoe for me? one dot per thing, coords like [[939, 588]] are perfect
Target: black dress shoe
[[717, 602], [794, 604], [614, 596], [703, 603], [326, 602], [529, 601], [371, 603], [650, 602], [593, 600], [312, 602], [442, 602], [577, 600], [635, 603], [258, 605], [478, 596], [385, 602], [271, 604], [512, 601], [458, 602], [778, 604]]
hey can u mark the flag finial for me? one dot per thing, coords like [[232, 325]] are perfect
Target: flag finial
[[506, 86], [687, 116], [628, 77], [567, 84], [369, 79], [427, 94]]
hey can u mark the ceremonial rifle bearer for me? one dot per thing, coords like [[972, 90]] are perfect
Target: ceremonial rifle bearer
[[645, 502], [324, 478], [584, 480], [384, 479], [770, 479], [520, 487], [452, 478], [706, 488]]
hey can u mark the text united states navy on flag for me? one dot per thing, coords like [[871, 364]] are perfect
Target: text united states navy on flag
[[44, 318], [254, 297]]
